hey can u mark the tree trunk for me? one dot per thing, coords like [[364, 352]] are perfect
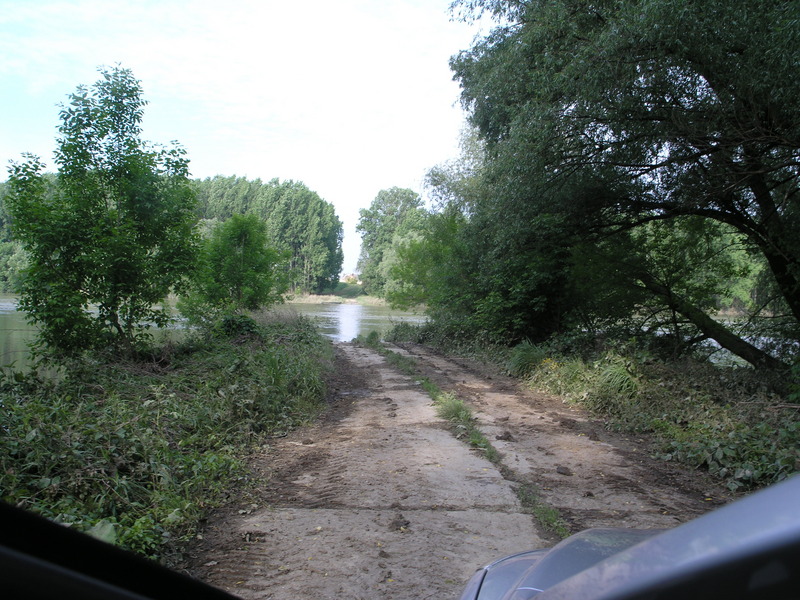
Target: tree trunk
[[713, 329]]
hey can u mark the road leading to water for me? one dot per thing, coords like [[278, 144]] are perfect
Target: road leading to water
[[379, 500]]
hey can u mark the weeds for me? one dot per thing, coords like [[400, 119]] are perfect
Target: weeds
[[547, 516], [136, 452], [722, 420], [463, 426], [525, 358], [451, 408]]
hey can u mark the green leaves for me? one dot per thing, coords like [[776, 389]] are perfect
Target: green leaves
[[135, 453], [746, 457], [390, 220], [114, 236], [298, 221], [237, 270], [664, 127]]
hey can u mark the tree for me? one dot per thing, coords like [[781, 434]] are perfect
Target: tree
[[297, 220], [432, 267], [660, 108], [12, 256], [117, 234], [304, 224], [393, 212], [237, 270]]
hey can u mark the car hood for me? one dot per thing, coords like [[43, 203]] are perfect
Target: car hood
[[526, 574], [747, 549]]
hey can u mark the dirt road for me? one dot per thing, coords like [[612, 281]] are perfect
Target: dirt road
[[379, 500]]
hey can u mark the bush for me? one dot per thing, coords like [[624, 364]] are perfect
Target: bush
[[403, 331], [236, 325], [745, 457], [136, 452], [349, 289], [449, 336], [722, 420]]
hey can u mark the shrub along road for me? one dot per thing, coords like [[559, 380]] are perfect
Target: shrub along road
[[380, 500]]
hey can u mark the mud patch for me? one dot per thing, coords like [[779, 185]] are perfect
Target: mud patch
[[594, 477]]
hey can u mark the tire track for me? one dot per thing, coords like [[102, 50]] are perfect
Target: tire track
[[381, 503]]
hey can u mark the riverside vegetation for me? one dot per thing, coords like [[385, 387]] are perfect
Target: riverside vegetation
[[734, 422], [125, 438], [626, 204], [629, 175], [136, 451]]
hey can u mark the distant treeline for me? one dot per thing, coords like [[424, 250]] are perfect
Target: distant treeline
[[12, 256], [298, 221]]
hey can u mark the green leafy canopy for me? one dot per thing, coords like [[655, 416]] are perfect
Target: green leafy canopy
[[237, 270], [117, 233]]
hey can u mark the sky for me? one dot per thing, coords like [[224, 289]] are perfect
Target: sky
[[350, 97]]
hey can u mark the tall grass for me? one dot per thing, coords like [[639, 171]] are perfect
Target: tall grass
[[525, 358], [135, 452], [722, 420]]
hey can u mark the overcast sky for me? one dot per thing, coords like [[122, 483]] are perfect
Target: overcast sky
[[349, 97]]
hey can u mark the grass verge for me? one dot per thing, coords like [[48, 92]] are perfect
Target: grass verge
[[725, 420], [136, 452]]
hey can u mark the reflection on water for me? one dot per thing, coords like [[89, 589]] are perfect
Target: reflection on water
[[341, 322], [344, 322], [15, 334]]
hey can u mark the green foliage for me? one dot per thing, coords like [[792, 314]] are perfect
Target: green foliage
[[631, 279], [449, 335], [236, 325], [373, 339], [298, 222], [614, 385], [116, 234], [403, 332], [13, 262], [430, 264], [462, 421], [525, 357], [138, 452], [487, 266], [348, 290], [794, 384], [745, 457], [237, 270], [547, 516], [391, 218], [619, 136], [13, 259], [451, 408], [713, 418]]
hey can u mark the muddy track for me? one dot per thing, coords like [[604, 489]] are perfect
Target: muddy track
[[379, 500]]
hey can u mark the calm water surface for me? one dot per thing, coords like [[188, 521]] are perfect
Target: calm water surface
[[15, 333], [344, 322], [340, 322]]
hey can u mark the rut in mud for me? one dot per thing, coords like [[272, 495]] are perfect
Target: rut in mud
[[379, 500]]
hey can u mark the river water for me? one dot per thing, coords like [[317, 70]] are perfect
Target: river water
[[340, 322], [15, 334], [344, 322]]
